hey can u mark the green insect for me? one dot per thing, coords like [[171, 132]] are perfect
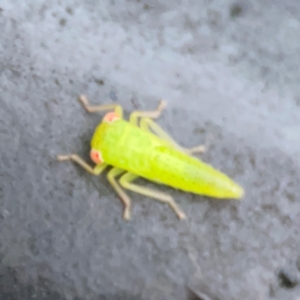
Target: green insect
[[145, 150]]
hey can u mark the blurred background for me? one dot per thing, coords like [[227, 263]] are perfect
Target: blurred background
[[227, 68]]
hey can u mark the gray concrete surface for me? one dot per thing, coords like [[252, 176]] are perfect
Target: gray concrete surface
[[226, 68]]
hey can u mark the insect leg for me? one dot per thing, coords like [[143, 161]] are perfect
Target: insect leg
[[126, 200], [148, 124], [150, 114], [99, 108], [126, 180], [74, 157]]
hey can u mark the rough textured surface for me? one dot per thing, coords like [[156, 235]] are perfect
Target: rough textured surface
[[227, 68]]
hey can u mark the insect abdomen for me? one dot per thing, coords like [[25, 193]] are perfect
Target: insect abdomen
[[176, 169]]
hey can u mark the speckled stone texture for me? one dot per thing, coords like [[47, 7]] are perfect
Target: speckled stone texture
[[230, 69]]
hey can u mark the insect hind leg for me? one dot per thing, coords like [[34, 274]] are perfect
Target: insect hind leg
[[149, 125], [126, 180], [100, 108]]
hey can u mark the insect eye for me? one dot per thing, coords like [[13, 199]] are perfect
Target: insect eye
[[96, 156], [110, 117]]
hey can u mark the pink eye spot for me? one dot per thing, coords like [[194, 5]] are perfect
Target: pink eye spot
[[96, 156], [110, 117]]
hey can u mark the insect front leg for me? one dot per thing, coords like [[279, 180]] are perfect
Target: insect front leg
[[126, 200], [74, 157], [150, 125], [126, 180], [99, 108], [150, 114]]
